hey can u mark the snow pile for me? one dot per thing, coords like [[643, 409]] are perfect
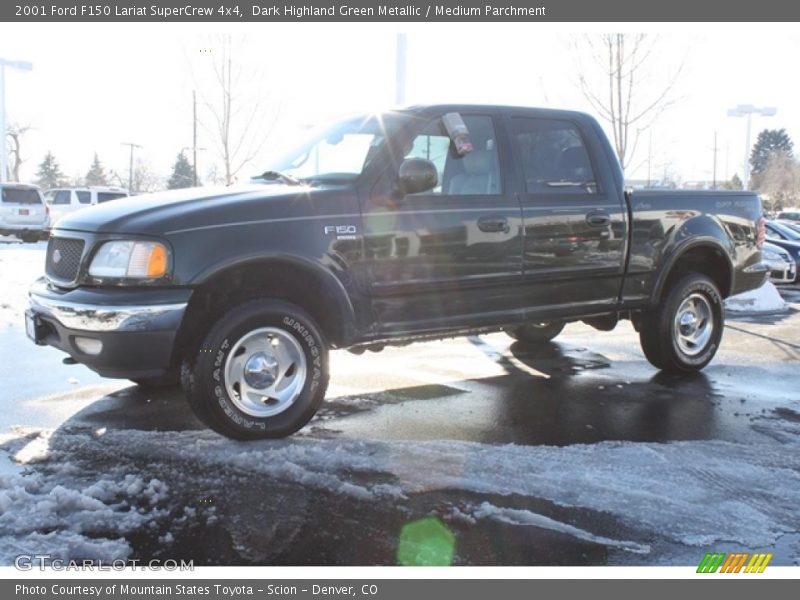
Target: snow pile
[[765, 299], [39, 512]]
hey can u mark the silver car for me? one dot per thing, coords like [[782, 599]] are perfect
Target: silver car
[[23, 212], [782, 267]]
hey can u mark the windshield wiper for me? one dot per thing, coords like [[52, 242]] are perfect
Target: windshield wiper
[[276, 175]]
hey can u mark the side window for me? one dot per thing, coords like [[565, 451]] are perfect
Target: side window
[[476, 173], [553, 156], [62, 197], [84, 197]]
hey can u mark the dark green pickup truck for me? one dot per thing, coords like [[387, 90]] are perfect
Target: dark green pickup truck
[[388, 228]]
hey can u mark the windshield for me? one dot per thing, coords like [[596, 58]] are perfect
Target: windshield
[[339, 152]]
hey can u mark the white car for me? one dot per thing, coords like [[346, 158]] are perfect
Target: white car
[[65, 200], [23, 212], [782, 267]]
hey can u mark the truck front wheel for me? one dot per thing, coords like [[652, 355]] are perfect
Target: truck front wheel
[[261, 372], [682, 335]]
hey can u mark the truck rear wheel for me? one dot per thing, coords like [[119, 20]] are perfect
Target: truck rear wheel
[[536, 333], [682, 335], [261, 372]]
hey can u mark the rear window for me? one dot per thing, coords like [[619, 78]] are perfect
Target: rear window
[[21, 196], [106, 196]]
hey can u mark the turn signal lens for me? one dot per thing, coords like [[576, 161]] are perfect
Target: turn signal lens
[[157, 266]]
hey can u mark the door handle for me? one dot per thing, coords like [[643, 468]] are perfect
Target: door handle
[[598, 218], [493, 224]]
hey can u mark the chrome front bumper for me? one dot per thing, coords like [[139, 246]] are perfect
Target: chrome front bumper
[[96, 317]]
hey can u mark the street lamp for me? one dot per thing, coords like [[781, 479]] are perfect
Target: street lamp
[[748, 110], [14, 64]]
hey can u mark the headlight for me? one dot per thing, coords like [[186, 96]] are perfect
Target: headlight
[[129, 259]]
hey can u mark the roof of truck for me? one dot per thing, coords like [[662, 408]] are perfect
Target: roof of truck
[[426, 108]]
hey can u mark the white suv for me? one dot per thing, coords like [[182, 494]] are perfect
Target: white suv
[[66, 200], [23, 212]]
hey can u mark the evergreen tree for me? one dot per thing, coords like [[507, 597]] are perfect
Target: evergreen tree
[[49, 174], [182, 174], [97, 173], [769, 143]]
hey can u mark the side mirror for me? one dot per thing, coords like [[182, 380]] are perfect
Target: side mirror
[[417, 175]]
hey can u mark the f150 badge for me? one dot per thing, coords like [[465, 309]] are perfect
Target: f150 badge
[[343, 232]]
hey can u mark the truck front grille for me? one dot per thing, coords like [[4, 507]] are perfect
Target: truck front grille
[[64, 258]]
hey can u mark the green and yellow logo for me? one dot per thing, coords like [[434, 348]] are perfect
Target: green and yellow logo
[[734, 563]]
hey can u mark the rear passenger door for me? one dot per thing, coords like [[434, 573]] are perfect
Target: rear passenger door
[[452, 255], [573, 216]]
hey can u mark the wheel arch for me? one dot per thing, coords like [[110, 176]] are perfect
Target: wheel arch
[[300, 281], [704, 254]]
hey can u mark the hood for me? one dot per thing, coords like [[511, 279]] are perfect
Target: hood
[[183, 210]]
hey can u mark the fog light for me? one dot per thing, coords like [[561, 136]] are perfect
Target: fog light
[[89, 345]]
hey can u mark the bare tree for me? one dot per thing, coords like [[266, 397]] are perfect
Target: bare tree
[[618, 84], [238, 116], [779, 182], [14, 135], [144, 179]]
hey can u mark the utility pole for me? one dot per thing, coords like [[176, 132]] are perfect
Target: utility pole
[[649, 157], [400, 70], [14, 64], [194, 136], [130, 166], [714, 173]]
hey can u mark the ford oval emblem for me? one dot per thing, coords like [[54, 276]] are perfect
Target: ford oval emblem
[[57, 257]]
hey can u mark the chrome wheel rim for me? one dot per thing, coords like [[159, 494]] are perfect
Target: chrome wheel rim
[[265, 372], [694, 324]]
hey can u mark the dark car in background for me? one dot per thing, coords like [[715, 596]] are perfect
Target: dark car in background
[[786, 237]]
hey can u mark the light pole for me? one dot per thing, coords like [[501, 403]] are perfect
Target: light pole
[[130, 166], [748, 110], [14, 64]]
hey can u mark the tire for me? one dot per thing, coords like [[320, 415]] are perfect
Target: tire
[[536, 333], [260, 349], [682, 335], [29, 238]]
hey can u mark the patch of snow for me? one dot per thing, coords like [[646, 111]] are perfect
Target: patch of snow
[[516, 516], [20, 266], [690, 492], [39, 512], [765, 299]]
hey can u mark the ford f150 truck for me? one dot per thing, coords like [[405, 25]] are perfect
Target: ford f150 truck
[[414, 224]]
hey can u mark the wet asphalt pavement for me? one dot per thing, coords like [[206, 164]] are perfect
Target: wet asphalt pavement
[[575, 452]]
